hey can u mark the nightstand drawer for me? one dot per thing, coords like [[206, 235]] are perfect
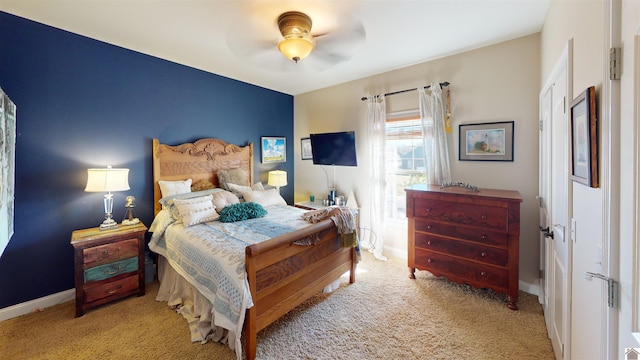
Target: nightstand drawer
[[98, 255], [110, 270], [98, 291]]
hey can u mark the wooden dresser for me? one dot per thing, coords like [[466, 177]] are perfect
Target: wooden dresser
[[467, 237], [109, 264]]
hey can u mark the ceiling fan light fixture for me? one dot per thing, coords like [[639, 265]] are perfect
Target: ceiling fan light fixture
[[295, 27], [295, 49]]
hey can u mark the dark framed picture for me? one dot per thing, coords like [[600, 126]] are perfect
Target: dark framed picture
[[492, 141], [305, 149], [274, 149], [584, 138]]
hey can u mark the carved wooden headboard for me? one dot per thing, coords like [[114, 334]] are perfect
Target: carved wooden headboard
[[198, 160]]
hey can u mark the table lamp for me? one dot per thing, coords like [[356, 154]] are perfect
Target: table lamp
[[277, 178], [107, 180]]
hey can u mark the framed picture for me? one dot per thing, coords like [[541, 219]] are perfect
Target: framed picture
[[486, 141], [305, 146], [584, 138], [274, 149]]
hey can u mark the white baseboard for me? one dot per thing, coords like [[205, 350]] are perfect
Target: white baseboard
[[37, 304]]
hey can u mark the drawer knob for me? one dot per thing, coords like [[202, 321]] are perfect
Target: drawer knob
[[428, 227], [428, 209], [483, 216], [483, 254], [429, 260], [429, 242], [483, 273], [484, 237]]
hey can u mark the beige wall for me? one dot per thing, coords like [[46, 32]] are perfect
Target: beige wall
[[493, 83]]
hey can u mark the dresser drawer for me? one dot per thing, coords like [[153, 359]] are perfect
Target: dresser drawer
[[460, 213], [97, 255], [475, 274], [96, 291], [477, 252], [483, 236], [106, 271]]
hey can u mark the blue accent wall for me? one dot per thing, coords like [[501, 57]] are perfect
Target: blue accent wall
[[83, 103]]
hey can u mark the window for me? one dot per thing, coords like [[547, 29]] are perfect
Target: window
[[404, 161]]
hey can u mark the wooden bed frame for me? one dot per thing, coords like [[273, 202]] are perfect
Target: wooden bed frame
[[281, 275]]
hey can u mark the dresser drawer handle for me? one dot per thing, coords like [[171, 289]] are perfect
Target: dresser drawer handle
[[429, 227], [429, 242], [114, 271], [483, 273], [483, 216], [428, 209], [483, 254], [111, 292], [429, 260], [484, 237]]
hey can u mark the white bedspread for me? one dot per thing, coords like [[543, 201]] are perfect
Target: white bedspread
[[211, 257]]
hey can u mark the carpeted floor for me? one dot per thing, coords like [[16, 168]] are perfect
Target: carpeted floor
[[384, 315]]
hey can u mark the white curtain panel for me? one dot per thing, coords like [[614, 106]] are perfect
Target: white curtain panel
[[434, 136], [377, 118]]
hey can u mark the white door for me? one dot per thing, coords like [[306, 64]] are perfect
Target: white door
[[554, 200]]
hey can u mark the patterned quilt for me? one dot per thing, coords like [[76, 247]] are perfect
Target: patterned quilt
[[211, 256]]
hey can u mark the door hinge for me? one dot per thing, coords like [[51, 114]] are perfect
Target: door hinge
[[612, 287], [614, 63], [541, 273], [540, 124]]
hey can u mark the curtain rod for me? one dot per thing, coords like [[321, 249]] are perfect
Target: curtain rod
[[442, 84]]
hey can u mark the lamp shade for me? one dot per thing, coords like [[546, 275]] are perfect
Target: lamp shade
[[296, 48], [277, 178], [107, 179]]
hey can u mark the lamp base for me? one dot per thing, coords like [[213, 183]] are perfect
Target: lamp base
[[130, 221], [108, 224]]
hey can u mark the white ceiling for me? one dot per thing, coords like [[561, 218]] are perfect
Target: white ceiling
[[197, 33]]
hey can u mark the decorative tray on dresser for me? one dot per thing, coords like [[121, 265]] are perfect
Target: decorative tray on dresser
[[467, 237]]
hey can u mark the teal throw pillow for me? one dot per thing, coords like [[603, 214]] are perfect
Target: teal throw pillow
[[242, 211]]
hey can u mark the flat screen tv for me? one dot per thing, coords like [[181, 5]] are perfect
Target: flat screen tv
[[338, 148]]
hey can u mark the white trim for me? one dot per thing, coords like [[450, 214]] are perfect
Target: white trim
[[37, 304], [610, 159], [635, 281]]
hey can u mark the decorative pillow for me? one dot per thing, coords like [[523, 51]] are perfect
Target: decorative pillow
[[168, 188], [242, 211], [265, 197], [233, 176], [197, 210], [167, 202], [202, 184], [223, 198], [239, 189]]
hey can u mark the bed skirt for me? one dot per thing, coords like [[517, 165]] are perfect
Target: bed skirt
[[180, 295]]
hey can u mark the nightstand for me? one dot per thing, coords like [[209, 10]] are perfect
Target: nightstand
[[109, 264]]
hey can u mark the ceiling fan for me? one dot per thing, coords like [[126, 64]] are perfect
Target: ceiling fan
[[264, 41]]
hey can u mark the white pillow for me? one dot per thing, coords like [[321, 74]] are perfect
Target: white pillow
[[223, 199], [197, 210], [264, 198], [239, 189], [168, 188]]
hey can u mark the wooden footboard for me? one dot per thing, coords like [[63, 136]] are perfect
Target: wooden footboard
[[282, 275]]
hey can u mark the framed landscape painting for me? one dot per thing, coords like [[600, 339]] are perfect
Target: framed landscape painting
[[486, 141], [584, 139], [274, 149]]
